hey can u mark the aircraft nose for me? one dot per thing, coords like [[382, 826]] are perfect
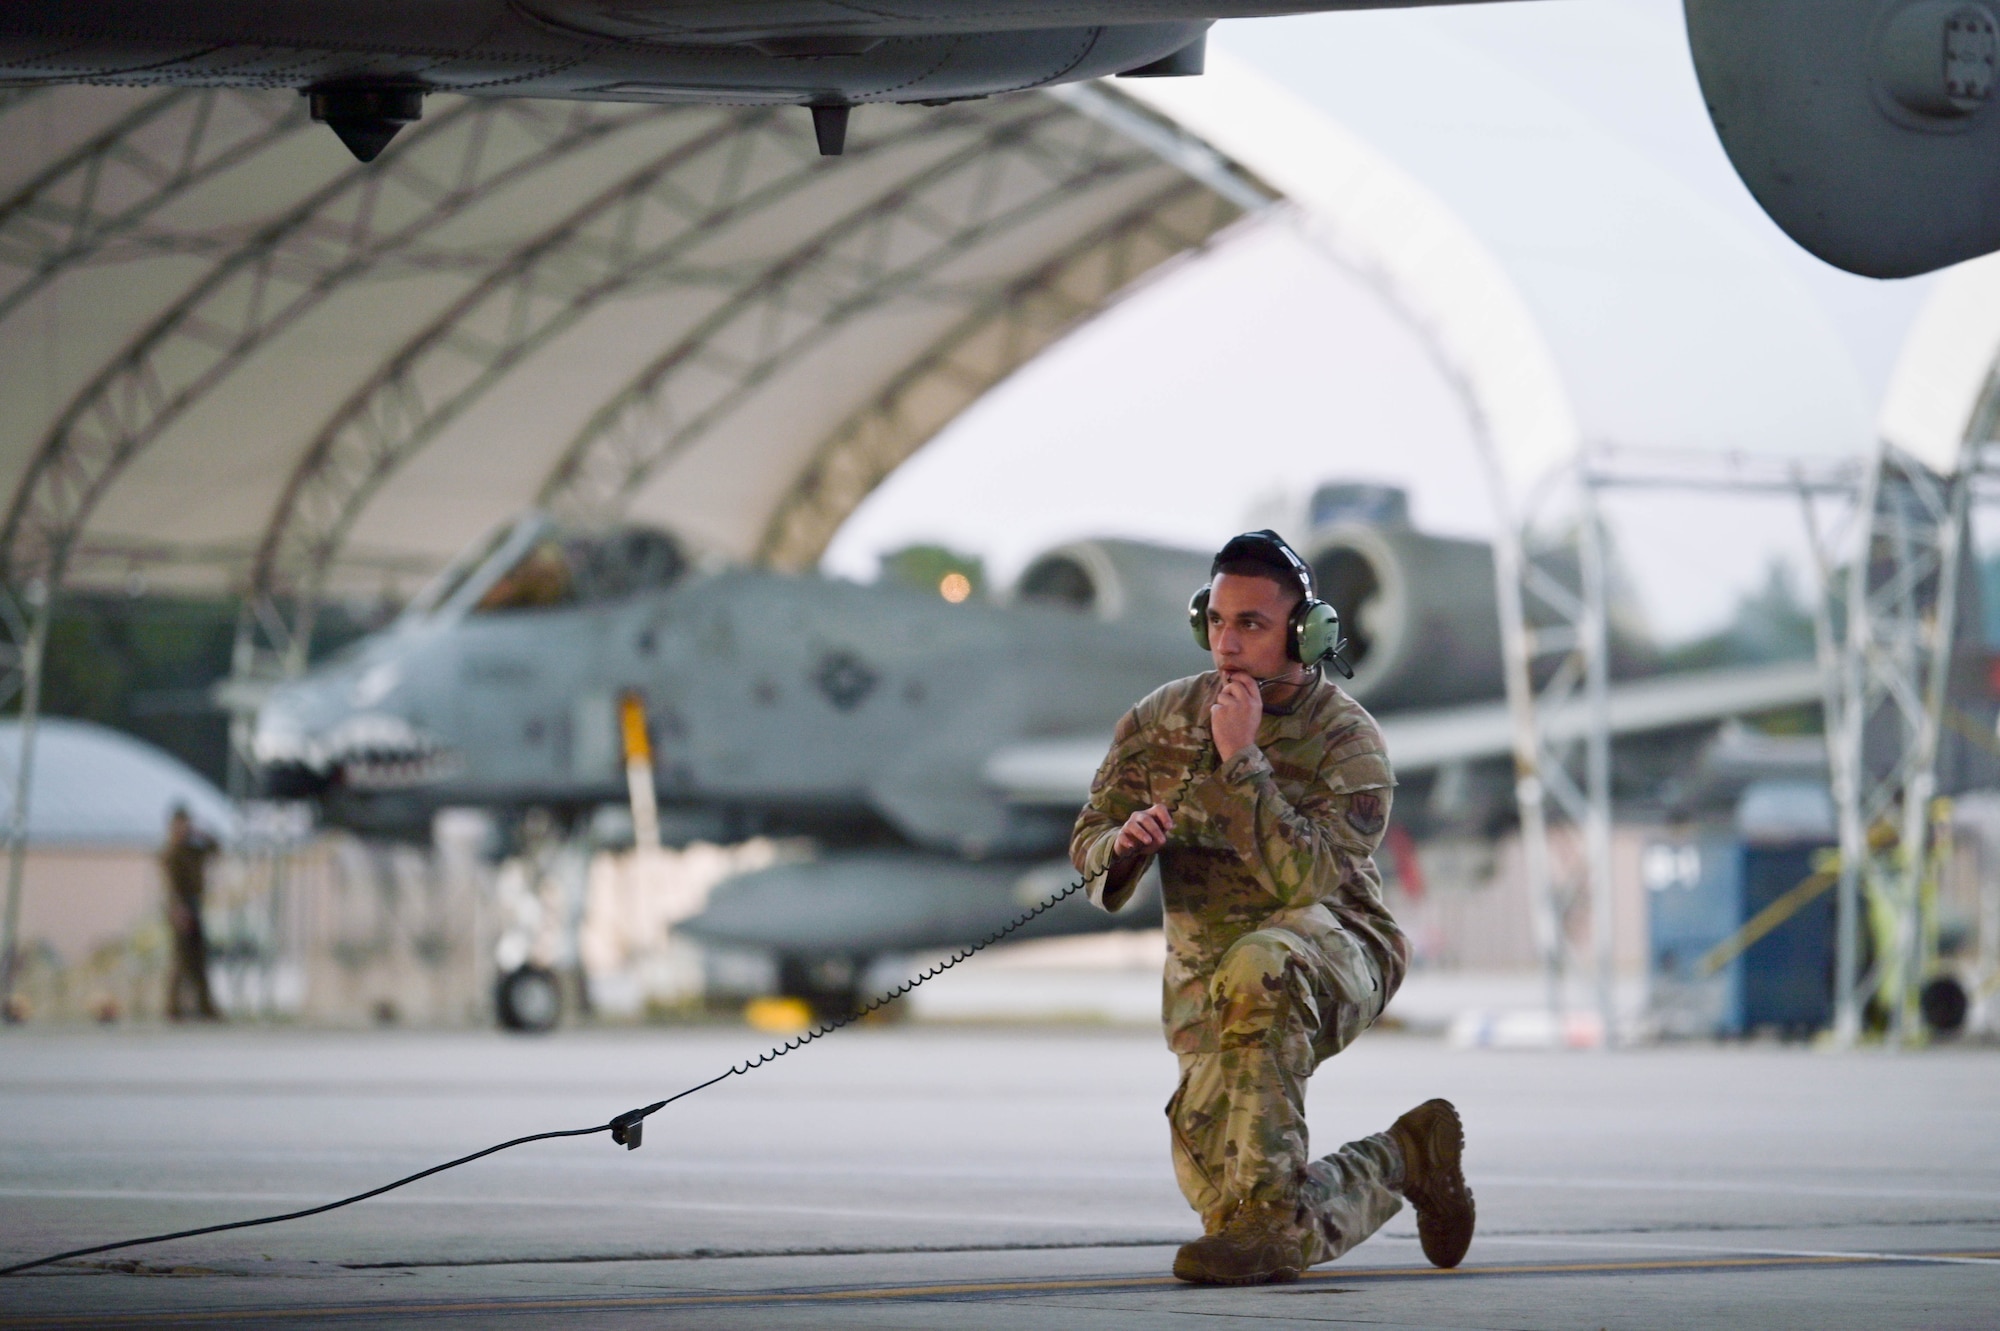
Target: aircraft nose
[[285, 754], [291, 781], [342, 729]]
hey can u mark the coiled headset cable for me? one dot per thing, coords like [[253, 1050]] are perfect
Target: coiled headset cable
[[628, 1128]]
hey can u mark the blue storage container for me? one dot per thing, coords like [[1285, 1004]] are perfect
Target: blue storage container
[[1704, 887]]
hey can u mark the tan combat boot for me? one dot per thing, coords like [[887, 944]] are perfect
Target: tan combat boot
[[1433, 1141], [1259, 1244]]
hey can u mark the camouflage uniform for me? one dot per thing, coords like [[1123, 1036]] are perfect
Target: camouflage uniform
[[1279, 950], [185, 863]]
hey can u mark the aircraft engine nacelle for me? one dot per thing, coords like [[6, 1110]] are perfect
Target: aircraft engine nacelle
[[1115, 579], [1867, 129], [1418, 613], [1417, 610]]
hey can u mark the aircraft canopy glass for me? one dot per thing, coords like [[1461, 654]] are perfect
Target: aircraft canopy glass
[[569, 569]]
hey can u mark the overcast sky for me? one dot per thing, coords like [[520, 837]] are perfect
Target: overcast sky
[[1570, 136]]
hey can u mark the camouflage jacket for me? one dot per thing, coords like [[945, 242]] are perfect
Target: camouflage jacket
[[185, 866], [1283, 835]]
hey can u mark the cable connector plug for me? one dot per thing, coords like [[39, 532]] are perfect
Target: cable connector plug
[[629, 1128]]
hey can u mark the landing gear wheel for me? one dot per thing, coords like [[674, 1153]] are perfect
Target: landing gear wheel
[[1945, 1005], [529, 999]]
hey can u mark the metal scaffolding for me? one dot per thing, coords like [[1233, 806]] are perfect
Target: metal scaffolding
[[1898, 607], [1608, 468], [1902, 598], [1890, 560], [1554, 608]]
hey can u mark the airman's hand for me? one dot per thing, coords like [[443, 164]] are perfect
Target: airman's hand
[[1144, 833], [1234, 715]]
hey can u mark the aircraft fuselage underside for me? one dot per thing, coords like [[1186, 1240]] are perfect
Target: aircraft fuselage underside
[[1866, 128], [741, 51]]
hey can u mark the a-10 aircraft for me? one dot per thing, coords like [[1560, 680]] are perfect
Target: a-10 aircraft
[[1866, 128], [936, 753]]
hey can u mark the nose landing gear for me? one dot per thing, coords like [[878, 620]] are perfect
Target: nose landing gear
[[528, 999]]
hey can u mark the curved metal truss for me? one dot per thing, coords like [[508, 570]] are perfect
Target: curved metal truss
[[896, 245], [93, 203], [440, 167], [997, 338], [746, 162], [1017, 167]]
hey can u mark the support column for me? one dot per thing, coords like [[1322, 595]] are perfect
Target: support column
[[1840, 724], [1594, 642], [29, 667], [1916, 927], [1578, 635], [1560, 609], [1902, 617], [1530, 798], [268, 649]]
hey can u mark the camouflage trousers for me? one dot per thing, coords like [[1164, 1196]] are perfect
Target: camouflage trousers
[[187, 985], [1283, 1001]]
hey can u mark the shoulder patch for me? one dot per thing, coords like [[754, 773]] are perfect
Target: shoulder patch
[[1366, 769], [1367, 813]]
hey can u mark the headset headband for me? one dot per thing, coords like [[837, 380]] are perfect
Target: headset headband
[[1270, 549]]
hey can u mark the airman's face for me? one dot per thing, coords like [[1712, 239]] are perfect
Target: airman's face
[[1247, 618]]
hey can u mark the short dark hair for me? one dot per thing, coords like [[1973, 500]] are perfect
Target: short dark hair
[[1264, 554], [1258, 568]]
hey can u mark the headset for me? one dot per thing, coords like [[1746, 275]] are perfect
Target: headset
[[1312, 633]]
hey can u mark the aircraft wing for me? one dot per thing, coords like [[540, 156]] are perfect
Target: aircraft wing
[[1867, 129], [1058, 771]]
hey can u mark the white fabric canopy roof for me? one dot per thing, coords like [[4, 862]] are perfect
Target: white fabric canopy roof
[[282, 368], [1944, 387]]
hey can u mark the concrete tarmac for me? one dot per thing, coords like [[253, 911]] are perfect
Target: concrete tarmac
[[984, 1177]]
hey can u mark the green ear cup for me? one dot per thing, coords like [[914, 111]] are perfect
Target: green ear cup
[[1315, 631], [1198, 617]]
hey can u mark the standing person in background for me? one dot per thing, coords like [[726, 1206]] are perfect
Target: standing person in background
[[1263, 790], [184, 860]]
